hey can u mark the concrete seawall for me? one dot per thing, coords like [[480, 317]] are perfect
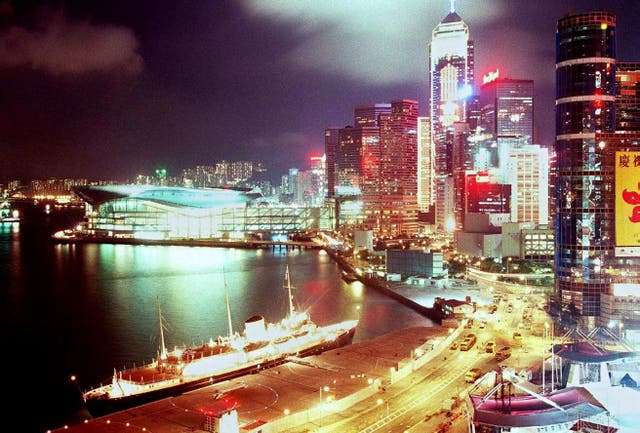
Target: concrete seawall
[[381, 286], [215, 243]]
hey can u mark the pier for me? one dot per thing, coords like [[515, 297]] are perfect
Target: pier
[[381, 286]]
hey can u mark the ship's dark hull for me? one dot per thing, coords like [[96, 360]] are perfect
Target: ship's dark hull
[[103, 406]]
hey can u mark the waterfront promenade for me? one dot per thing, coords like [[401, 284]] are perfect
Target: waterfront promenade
[[308, 394], [301, 395], [362, 387]]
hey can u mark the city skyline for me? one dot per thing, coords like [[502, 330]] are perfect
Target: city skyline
[[109, 91]]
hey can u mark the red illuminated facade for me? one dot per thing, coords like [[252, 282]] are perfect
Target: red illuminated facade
[[485, 196], [376, 161], [393, 209]]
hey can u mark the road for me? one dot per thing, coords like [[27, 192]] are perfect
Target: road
[[415, 404]]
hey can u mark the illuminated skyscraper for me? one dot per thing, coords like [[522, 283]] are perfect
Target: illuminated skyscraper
[[395, 204], [426, 172], [485, 196], [527, 171], [369, 114], [462, 158], [357, 160], [451, 71], [451, 75], [506, 107], [585, 107], [375, 167], [330, 147]]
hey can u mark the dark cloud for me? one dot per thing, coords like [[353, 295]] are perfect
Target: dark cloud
[[377, 42], [60, 45], [242, 79]]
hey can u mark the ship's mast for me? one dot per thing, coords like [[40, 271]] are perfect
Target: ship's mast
[[288, 279], [163, 349], [226, 294]]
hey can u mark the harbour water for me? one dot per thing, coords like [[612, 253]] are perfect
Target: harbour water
[[83, 310]]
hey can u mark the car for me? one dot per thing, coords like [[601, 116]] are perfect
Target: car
[[472, 375], [454, 345], [503, 353], [490, 347], [517, 337], [482, 324], [468, 342]]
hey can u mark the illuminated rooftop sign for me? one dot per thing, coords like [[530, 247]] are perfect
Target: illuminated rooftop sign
[[491, 76], [482, 178]]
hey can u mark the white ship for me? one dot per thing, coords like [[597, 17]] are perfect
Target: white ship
[[261, 345]]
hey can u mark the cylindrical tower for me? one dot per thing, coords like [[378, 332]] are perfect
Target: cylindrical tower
[[585, 106]]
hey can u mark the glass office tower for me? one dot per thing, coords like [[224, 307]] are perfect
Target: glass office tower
[[585, 106]]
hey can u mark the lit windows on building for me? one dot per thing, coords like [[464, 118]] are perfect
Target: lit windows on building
[[451, 68], [585, 107], [527, 171], [628, 96], [174, 213], [426, 169], [506, 107]]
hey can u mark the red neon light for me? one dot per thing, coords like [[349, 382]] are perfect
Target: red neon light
[[482, 177], [491, 76]]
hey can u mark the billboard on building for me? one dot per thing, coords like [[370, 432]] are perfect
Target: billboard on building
[[627, 206]]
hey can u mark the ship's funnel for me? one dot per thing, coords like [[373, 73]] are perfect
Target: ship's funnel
[[255, 329]]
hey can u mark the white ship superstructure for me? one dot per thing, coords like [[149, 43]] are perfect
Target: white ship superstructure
[[261, 345]]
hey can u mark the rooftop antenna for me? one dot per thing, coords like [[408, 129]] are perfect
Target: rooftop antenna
[[453, 5], [226, 294], [288, 280], [163, 348]]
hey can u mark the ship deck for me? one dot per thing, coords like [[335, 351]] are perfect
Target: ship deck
[[170, 368], [145, 375]]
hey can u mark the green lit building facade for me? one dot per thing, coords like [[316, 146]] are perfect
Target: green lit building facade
[[174, 213]]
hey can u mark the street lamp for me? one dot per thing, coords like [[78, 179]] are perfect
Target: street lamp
[[380, 401], [326, 389], [546, 330], [620, 326]]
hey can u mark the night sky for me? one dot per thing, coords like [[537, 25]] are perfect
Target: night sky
[[111, 89]]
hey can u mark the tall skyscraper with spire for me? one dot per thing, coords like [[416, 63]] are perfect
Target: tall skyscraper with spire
[[451, 76]]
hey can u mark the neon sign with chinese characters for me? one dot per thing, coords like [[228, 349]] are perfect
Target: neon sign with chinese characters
[[491, 76]]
